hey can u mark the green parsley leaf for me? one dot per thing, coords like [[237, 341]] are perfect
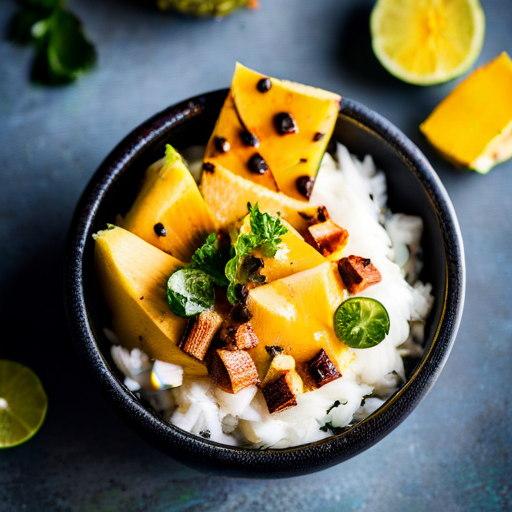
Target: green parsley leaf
[[210, 260], [189, 292], [63, 51], [265, 235]]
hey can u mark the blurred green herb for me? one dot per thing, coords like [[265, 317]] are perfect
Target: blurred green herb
[[63, 51]]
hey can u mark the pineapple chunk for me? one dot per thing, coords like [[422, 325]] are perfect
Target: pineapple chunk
[[297, 153], [235, 155], [472, 127], [228, 195], [294, 255], [296, 313], [170, 200], [133, 275]]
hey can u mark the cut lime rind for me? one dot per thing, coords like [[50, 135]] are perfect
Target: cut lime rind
[[361, 322], [23, 404], [384, 8]]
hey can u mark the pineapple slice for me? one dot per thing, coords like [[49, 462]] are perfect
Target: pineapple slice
[[473, 125], [169, 211], [294, 255], [296, 313], [292, 122], [228, 195], [133, 275], [226, 147]]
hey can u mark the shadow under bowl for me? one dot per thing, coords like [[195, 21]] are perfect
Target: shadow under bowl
[[413, 188]]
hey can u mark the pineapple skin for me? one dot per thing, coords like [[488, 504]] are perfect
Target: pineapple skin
[[203, 8]]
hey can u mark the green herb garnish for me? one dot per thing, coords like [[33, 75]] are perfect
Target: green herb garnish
[[210, 260], [190, 291], [361, 322], [265, 235], [63, 51]]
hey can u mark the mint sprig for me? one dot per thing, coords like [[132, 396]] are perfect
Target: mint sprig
[[63, 51]]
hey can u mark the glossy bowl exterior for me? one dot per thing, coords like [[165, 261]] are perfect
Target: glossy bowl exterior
[[414, 188]]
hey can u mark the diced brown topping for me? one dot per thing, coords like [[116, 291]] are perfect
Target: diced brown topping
[[199, 334], [231, 370], [208, 167], [315, 214], [238, 336], [358, 273], [264, 85], [322, 369], [279, 394], [222, 145], [257, 164], [159, 230], [329, 238], [305, 185], [285, 124], [281, 363]]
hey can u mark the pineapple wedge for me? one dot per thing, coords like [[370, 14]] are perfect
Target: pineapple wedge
[[133, 276], [472, 127], [293, 123], [228, 195], [169, 211], [296, 313], [227, 148]]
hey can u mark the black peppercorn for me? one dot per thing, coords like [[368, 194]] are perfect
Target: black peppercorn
[[249, 139], [257, 164], [305, 185], [208, 167], [222, 145], [318, 136], [241, 292], [160, 230], [264, 85], [285, 123]]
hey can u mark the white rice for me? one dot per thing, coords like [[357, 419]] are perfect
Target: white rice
[[355, 195]]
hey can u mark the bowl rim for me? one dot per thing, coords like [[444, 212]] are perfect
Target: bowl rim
[[239, 461]]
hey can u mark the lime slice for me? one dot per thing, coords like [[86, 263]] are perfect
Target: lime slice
[[23, 403], [426, 42], [361, 322]]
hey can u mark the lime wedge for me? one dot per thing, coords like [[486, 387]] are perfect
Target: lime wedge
[[426, 42], [23, 403], [361, 322]]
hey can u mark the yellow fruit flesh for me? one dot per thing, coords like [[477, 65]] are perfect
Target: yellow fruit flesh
[[296, 313], [228, 195], [293, 256], [170, 196], [473, 125], [228, 127], [427, 41], [133, 277], [314, 111]]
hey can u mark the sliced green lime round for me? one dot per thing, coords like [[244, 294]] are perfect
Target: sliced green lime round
[[361, 322], [23, 403]]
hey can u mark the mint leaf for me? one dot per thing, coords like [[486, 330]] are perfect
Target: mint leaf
[[20, 28], [210, 260], [189, 292]]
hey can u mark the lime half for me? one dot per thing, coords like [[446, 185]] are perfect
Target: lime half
[[23, 403], [425, 42], [361, 322]]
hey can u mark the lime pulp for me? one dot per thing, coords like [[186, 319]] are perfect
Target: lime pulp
[[23, 403], [361, 322]]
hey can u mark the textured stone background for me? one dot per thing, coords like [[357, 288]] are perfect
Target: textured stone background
[[452, 454]]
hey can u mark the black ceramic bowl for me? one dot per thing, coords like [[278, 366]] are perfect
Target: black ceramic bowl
[[414, 188]]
